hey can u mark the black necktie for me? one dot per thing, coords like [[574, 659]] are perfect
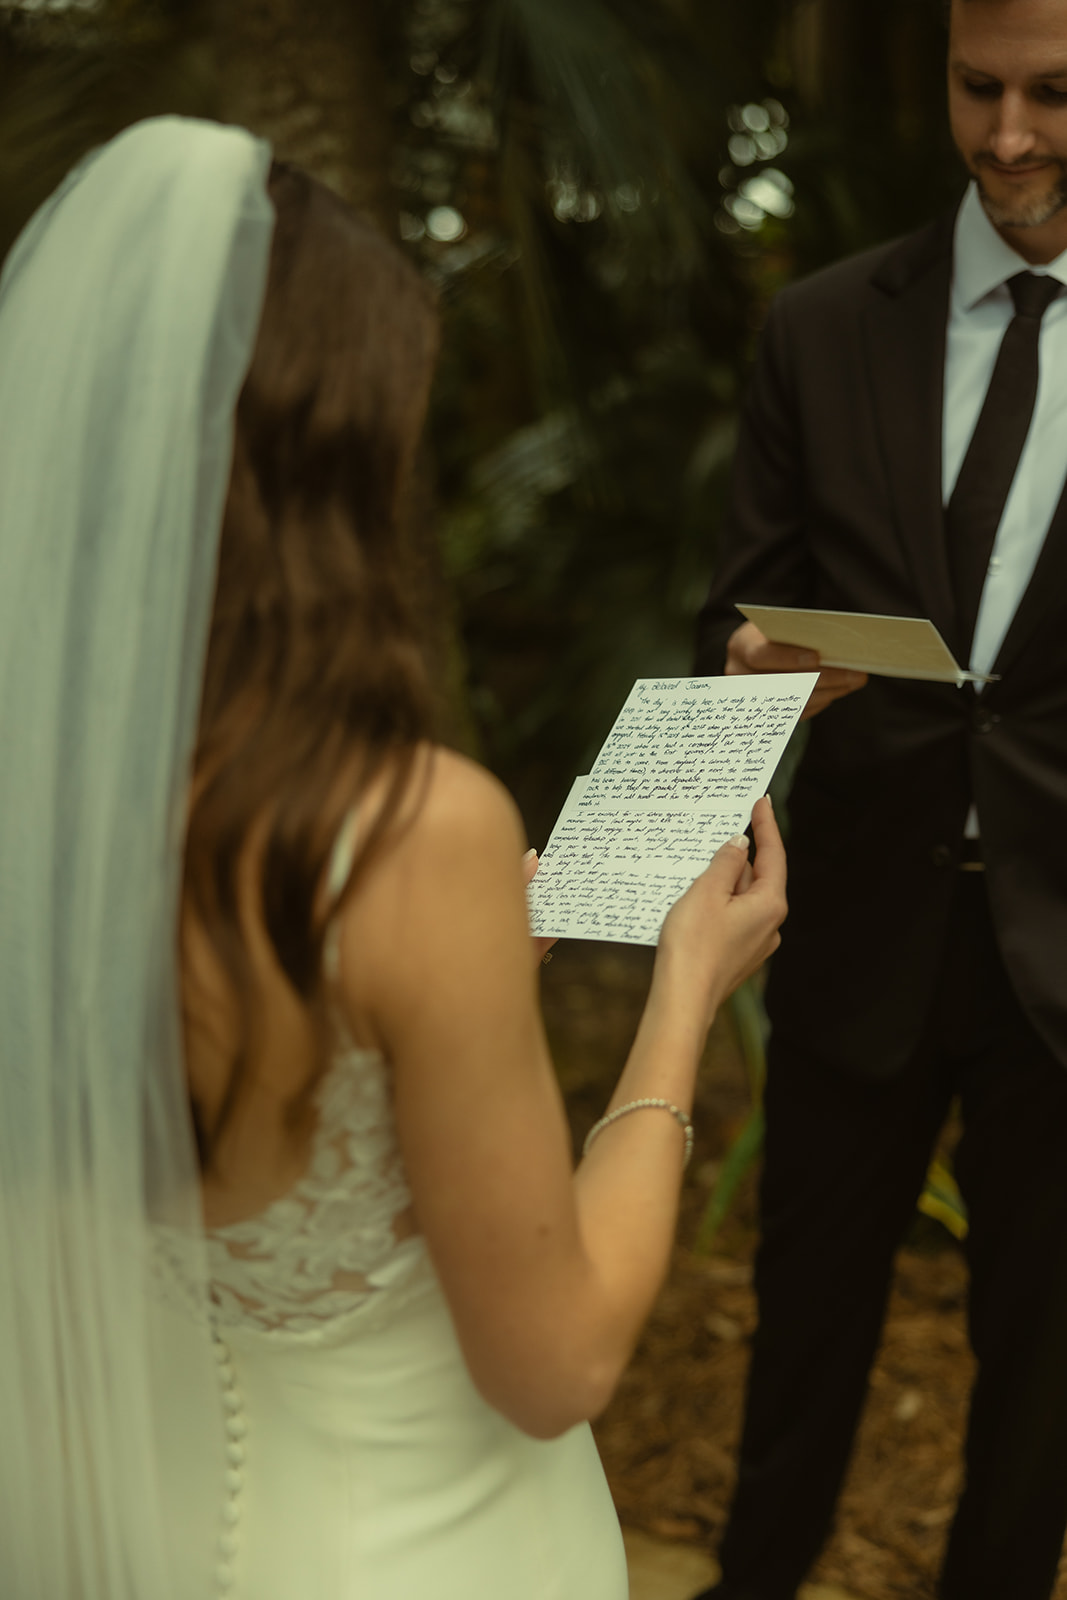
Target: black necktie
[[977, 502]]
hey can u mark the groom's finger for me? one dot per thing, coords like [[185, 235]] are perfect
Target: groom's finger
[[832, 685]]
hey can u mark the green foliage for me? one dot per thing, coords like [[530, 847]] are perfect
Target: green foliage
[[750, 1021], [740, 1159], [597, 328], [941, 1199]]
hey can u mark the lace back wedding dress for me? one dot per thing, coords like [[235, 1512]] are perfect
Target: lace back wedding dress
[[360, 1462]]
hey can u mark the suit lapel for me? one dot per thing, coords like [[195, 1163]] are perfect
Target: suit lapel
[[905, 328]]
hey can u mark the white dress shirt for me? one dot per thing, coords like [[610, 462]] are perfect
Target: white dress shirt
[[981, 309]]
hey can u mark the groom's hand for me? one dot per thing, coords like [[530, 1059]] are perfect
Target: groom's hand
[[751, 651]]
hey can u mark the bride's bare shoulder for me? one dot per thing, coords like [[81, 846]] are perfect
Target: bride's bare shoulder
[[447, 871], [454, 832], [450, 804], [458, 793]]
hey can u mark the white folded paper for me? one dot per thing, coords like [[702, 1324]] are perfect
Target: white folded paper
[[676, 778], [891, 647]]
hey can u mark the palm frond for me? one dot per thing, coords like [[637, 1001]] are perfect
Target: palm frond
[[600, 94]]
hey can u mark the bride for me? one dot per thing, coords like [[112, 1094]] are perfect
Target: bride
[[300, 1295]]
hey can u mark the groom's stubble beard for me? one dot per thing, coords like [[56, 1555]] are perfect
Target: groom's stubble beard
[[1031, 211]]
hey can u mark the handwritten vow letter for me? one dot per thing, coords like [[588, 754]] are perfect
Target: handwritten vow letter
[[678, 775]]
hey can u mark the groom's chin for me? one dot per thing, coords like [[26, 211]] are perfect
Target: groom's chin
[[1030, 210]]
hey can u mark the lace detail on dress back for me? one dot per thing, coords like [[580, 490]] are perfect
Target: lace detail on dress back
[[313, 1255], [314, 1259]]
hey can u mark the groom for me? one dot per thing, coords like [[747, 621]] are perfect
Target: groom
[[904, 451]]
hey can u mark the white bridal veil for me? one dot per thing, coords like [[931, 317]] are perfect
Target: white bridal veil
[[128, 312]]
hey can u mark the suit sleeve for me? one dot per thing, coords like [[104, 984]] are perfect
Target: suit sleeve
[[763, 555]]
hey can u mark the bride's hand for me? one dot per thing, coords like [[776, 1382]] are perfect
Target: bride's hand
[[726, 924], [530, 865]]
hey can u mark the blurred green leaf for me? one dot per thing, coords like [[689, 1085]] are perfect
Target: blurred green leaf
[[750, 1020], [941, 1199], [741, 1158]]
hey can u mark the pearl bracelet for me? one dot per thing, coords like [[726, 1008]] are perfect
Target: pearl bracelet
[[644, 1105]]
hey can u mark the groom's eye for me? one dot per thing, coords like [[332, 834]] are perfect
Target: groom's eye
[[982, 88], [1050, 95]]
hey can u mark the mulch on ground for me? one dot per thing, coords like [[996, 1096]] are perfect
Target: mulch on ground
[[669, 1438]]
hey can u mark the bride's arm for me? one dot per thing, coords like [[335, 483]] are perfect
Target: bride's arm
[[549, 1274]]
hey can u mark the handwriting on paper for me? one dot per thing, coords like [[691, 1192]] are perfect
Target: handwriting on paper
[[616, 904], [674, 745], [665, 839], [677, 777]]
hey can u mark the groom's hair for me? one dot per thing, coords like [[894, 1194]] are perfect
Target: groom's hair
[[316, 679]]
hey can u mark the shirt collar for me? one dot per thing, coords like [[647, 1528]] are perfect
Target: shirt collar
[[983, 261]]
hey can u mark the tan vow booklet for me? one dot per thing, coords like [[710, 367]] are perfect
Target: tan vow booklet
[[891, 647]]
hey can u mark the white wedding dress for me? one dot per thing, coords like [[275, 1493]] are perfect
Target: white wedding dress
[[362, 1462]]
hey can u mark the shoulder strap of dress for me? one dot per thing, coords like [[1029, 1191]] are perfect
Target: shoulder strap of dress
[[341, 857]]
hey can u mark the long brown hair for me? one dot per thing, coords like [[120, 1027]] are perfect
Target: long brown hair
[[316, 677]]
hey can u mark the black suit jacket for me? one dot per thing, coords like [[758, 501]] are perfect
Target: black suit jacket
[[837, 503]]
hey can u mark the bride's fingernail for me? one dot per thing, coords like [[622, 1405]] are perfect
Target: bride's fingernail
[[769, 801], [529, 853], [739, 842]]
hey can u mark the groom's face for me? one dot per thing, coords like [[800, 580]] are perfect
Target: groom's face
[[1007, 78]]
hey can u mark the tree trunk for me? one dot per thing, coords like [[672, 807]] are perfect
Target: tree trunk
[[309, 75]]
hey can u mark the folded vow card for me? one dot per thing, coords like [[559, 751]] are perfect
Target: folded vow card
[[677, 776], [891, 647]]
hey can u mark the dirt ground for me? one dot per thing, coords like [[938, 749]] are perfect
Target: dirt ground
[[669, 1438]]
